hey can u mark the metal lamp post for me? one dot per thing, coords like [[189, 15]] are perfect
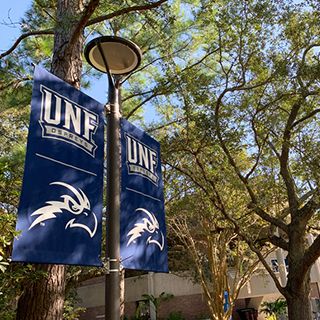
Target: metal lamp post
[[116, 57]]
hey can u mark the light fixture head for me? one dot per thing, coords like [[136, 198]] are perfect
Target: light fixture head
[[122, 55]]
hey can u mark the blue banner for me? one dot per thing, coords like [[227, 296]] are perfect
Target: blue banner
[[143, 238], [60, 211]]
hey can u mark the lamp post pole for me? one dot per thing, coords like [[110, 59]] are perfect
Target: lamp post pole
[[112, 292], [112, 287], [116, 57]]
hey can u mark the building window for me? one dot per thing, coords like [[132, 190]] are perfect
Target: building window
[[275, 266]]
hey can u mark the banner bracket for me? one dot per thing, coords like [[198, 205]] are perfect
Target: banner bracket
[[108, 108], [108, 269]]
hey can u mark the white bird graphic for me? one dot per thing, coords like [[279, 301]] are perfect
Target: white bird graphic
[[81, 206], [151, 226]]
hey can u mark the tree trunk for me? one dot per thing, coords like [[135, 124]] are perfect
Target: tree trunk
[[297, 296], [298, 286], [68, 42], [43, 299], [299, 306]]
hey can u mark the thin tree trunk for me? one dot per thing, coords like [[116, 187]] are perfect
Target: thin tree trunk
[[122, 284]]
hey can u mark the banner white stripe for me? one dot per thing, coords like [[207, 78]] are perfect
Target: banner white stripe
[[65, 164], [146, 195]]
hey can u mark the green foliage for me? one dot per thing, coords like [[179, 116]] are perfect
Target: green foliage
[[69, 311], [202, 316], [138, 315], [247, 144], [3, 264], [176, 316], [11, 171], [7, 228], [236, 88], [157, 302], [275, 309], [12, 282]]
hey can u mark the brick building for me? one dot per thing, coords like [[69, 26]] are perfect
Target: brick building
[[188, 296]]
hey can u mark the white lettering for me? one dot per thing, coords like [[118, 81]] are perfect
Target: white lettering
[[153, 158], [143, 156], [65, 120], [132, 158], [70, 116], [90, 123], [141, 159], [47, 108]]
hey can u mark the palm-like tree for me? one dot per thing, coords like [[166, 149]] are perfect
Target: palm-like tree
[[275, 308]]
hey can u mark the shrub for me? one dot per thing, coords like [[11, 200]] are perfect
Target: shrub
[[176, 316]]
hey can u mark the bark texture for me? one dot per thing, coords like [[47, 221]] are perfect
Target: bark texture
[[43, 299], [298, 286], [68, 42], [299, 303]]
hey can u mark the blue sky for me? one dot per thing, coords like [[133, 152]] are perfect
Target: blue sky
[[15, 9]]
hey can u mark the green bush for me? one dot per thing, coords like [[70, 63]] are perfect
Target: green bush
[[275, 309], [176, 316], [202, 316]]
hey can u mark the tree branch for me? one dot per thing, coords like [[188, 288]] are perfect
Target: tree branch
[[125, 10], [305, 213], [308, 116], [23, 36], [312, 254], [261, 213], [84, 22], [265, 264], [303, 198], [303, 62], [279, 242], [90, 8], [284, 158]]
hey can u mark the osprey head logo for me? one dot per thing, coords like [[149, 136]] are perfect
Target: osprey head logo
[[77, 206], [151, 226]]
